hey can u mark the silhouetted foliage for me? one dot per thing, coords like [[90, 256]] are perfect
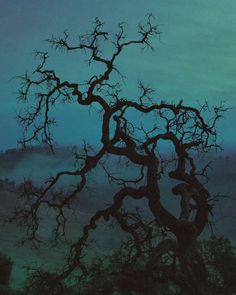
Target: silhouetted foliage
[[5, 269], [152, 273], [220, 258], [188, 130], [42, 282]]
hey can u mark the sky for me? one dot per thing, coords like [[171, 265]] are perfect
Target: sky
[[194, 60]]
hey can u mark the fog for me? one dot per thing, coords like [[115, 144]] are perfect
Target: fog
[[39, 164]]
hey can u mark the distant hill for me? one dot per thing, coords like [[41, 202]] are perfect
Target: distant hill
[[10, 158], [39, 163]]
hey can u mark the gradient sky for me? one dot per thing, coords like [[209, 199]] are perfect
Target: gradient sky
[[195, 59]]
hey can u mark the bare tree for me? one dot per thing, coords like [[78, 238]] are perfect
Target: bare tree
[[189, 130]]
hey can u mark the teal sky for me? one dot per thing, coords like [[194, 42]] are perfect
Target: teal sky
[[195, 59]]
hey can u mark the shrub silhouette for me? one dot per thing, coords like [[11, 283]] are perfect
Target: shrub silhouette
[[43, 282], [220, 258], [5, 269], [151, 274]]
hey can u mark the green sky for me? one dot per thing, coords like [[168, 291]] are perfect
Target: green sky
[[195, 59]]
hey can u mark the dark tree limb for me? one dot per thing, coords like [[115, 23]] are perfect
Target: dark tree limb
[[189, 130]]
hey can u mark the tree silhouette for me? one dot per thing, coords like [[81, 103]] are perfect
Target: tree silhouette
[[5, 269], [189, 130]]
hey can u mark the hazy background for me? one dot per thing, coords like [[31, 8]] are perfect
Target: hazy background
[[39, 164]]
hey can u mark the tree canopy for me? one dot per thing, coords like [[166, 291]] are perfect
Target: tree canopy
[[187, 129]]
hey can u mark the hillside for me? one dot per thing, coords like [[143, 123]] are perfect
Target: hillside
[[38, 163]]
